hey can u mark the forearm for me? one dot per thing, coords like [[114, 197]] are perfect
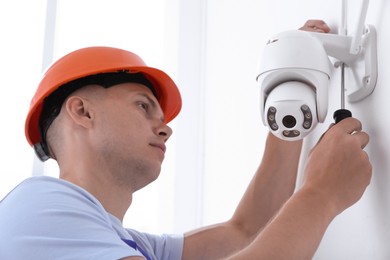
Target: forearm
[[272, 185], [295, 232]]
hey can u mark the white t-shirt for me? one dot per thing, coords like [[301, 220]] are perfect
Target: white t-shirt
[[49, 218]]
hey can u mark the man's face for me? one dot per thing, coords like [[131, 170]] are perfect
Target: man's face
[[130, 133]]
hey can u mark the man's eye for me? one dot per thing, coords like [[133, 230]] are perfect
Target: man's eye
[[143, 105]]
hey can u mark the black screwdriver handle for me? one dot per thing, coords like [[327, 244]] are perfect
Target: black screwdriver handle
[[341, 114]]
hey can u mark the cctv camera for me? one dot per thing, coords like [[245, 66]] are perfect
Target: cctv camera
[[294, 77], [290, 110]]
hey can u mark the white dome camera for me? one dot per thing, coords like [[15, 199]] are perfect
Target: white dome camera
[[294, 77], [290, 110]]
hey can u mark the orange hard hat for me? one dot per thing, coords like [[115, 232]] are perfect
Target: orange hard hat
[[95, 60]]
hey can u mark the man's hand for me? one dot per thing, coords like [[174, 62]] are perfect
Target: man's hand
[[338, 168], [315, 26]]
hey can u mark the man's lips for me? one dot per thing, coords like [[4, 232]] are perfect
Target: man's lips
[[161, 146]]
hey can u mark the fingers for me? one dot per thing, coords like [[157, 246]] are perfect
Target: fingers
[[350, 125], [353, 127], [315, 26], [362, 137]]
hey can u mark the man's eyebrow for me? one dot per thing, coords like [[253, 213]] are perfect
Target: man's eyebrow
[[151, 101]]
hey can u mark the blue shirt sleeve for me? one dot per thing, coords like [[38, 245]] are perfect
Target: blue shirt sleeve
[[165, 247]]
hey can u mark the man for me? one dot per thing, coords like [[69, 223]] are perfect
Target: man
[[102, 114]]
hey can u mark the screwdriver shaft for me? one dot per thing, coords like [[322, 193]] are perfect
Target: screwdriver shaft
[[342, 113], [342, 86]]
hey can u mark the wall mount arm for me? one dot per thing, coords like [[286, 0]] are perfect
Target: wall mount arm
[[362, 64]]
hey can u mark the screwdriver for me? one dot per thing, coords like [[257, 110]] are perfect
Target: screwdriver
[[342, 113]]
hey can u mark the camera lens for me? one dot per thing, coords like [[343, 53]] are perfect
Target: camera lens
[[289, 121]]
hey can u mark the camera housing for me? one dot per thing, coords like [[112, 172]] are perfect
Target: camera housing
[[294, 75], [290, 110]]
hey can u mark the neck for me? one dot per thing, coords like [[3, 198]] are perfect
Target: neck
[[116, 199]]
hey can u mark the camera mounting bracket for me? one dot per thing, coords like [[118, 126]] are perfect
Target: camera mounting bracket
[[361, 61]]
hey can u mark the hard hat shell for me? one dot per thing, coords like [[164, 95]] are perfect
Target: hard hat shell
[[94, 60]]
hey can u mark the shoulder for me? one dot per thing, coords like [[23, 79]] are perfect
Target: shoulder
[[45, 184], [43, 197], [44, 189], [41, 184], [53, 218]]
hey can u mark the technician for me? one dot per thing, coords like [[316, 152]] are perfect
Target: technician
[[102, 114]]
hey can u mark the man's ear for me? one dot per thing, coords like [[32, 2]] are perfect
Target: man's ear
[[80, 111]]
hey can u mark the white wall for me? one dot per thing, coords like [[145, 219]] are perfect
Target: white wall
[[21, 48], [211, 48], [236, 32]]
